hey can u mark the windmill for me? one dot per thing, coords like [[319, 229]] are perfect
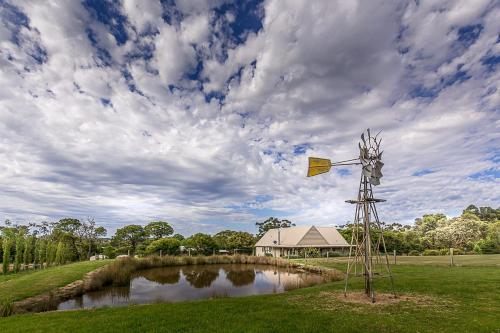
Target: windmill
[[367, 235]]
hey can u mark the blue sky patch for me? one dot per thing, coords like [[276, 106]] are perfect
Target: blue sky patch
[[469, 34], [488, 174], [106, 102], [423, 92], [344, 172], [301, 148], [491, 62], [247, 18], [108, 14], [423, 172]]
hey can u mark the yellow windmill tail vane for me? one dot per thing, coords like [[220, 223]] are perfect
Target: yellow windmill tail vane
[[318, 166]]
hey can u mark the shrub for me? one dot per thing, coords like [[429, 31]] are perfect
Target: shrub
[[109, 252], [413, 253], [166, 245], [310, 252], [431, 252]]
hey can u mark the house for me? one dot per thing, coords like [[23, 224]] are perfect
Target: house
[[283, 242]]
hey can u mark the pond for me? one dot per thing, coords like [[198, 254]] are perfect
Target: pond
[[182, 283]]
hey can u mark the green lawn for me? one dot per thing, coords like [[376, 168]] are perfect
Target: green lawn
[[449, 299], [462, 260], [17, 286]]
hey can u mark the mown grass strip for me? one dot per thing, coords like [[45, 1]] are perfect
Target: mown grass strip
[[15, 287]]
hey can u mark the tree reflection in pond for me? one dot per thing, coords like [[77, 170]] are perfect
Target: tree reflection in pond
[[175, 284], [162, 275], [201, 277], [240, 275]]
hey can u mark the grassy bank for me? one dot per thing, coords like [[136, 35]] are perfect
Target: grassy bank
[[18, 286], [461, 260], [457, 299]]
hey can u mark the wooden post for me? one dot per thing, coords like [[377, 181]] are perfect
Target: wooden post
[[327, 252], [394, 256], [451, 257], [189, 252], [129, 253], [160, 253]]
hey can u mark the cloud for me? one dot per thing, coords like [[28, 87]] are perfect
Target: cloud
[[204, 113]]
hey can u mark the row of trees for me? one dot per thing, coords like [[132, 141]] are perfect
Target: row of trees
[[48, 243], [54, 243], [159, 236], [476, 230]]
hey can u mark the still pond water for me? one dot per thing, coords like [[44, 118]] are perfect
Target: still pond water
[[182, 283]]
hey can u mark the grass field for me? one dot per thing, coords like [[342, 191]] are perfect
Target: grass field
[[446, 299], [462, 260], [17, 286]]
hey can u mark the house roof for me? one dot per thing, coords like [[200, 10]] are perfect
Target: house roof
[[308, 236]]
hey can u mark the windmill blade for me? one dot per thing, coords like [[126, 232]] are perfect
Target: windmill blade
[[375, 181], [377, 172], [363, 156], [318, 166], [367, 171]]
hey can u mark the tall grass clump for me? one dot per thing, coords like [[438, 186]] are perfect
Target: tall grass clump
[[6, 307], [121, 270]]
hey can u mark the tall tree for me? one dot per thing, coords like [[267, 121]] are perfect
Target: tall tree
[[231, 240], [91, 233], [272, 223], [7, 237], [201, 243], [130, 236], [20, 243], [158, 229], [70, 231]]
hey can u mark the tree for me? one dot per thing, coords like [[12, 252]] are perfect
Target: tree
[[40, 251], [231, 240], [61, 254], [158, 229], [166, 245], [70, 231], [429, 222], [130, 237], [201, 243], [20, 243], [483, 213], [6, 245], [179, 237], [460, 232], [91, 233], [272, 223], [28, 250]]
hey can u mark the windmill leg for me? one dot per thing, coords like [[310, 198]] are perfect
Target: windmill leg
[[389, 271]]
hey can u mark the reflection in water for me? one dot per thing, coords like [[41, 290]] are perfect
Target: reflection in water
[[201, 277], [240, 277], [182, 283], [161, 275]]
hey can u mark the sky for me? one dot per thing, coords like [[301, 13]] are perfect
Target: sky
[[203, 113]]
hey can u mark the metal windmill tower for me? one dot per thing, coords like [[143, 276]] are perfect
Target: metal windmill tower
[[367, 235]]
